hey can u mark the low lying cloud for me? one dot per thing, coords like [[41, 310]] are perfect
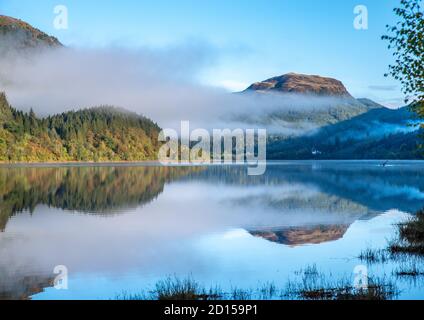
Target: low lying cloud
[[160, 84], [383, 87], [394, 103]]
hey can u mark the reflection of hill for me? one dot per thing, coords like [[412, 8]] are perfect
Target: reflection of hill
[[378, 188], [399, 185], [304, 200], [22, 288], [306, 235], [330, 195], [86, 189]]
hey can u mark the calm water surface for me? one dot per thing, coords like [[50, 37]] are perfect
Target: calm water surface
[[121, 229]]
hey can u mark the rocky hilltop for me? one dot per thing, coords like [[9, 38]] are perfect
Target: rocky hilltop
[[17, 34], [302, 84], [300, 236]]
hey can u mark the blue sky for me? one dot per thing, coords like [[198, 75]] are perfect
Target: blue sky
[[254, 40]]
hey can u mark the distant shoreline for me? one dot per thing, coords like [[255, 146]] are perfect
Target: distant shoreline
[[80, 163], [4, 164]]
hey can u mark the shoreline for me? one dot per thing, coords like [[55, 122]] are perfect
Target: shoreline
[[193, 163]]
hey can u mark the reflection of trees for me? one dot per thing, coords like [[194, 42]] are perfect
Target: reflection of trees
[[86, 189], [23, 287]]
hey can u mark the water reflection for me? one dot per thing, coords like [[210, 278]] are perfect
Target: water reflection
[[305, 235], [120, 227], [95, 190]]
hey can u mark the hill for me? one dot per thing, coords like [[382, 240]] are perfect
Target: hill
[[17, 34], [378, 134], [303, 103], [96, 134]]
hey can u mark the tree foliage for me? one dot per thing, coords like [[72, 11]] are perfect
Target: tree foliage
[[406, 39], [97, 134]]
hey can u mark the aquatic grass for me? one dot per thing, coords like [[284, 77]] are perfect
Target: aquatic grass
[[310, 285], [410, 239], [318, 286], [184, 289], [318, 289], [409, 270], [406, 248], [268, 291], [412, 230], [376, 290], [173, 288], [309, 270], [372, 256], [241, 294], [132, 296]]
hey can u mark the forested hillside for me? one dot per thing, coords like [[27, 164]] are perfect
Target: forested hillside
[[378, 134], [96, 134]]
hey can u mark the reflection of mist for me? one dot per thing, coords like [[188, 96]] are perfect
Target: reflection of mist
[[288, 205], [377, 129], [398, 185]]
